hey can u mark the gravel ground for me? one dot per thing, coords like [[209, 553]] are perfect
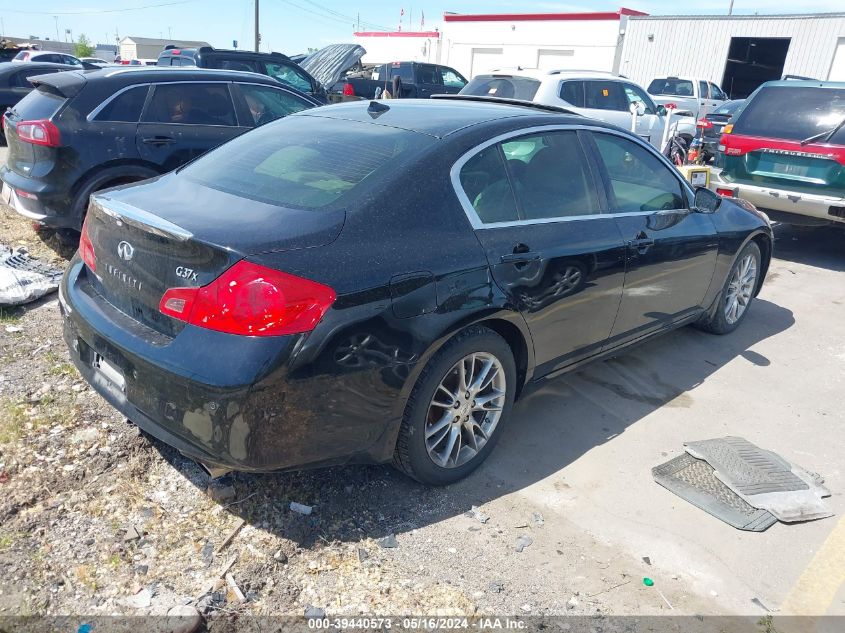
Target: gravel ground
[[98, 518]]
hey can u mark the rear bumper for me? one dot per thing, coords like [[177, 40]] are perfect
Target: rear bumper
[[782, 201], [46, 207], [228, 401]]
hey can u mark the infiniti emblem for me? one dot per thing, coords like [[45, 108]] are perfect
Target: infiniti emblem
[[125, 251]]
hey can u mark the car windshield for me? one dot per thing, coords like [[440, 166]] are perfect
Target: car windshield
[[307, 162], [671, 86], [793, 113], [505, 87]]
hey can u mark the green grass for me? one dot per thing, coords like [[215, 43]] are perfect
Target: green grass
[[12, 420], [10, 316]]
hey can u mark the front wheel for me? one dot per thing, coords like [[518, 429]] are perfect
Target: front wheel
[[738, 292], [457, 409]]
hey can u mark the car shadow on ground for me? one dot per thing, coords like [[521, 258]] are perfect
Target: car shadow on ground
[[819, 246], [549, 429]]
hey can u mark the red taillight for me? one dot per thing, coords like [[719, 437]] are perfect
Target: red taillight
[[671, 106], [251, 300], [727, 193], [86, 248], [348, 90], [175, 51], [41, 132], [26, 194], [704, 124]]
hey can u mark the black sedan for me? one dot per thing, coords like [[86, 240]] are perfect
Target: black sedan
[[14, 82], [372, 282]]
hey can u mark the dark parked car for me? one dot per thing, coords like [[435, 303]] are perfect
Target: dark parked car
[[785, 152], [274, 65], [14, 82], [284, 302], [80, 132], [712, 126], [419, 80]]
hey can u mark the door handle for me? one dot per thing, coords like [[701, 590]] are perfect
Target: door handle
[[159, 140], [641, 244], [520, 258]]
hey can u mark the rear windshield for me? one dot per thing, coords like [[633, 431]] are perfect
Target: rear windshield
[[307, 162], [38, 104], [730, 107], [505, 87], [793, 113], [670, 86]]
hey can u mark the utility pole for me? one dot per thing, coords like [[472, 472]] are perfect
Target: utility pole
[[169, 32], [56, 18], [731, 8], [257, 34]]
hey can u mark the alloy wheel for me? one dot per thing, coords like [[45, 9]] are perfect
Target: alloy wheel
[[465, 409], [740, 289]]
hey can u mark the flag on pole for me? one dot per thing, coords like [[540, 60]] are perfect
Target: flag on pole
[[401, 13]]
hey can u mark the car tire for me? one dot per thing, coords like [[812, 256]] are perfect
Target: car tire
[[415, 454], [111, 177], [737, 293]]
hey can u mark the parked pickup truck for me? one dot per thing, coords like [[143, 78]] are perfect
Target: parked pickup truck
[[692, 94], [419, 80]]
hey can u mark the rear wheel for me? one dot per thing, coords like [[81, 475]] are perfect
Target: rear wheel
[[111, 177], [738, 292], [457, 409]]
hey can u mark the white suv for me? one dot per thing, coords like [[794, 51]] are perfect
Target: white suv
[[598, 95]]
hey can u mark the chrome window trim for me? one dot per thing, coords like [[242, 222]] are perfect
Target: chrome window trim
[[93, 114], [475, 221]]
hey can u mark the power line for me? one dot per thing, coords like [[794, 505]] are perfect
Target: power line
[[98, 11], [348, 17], [328, 14]]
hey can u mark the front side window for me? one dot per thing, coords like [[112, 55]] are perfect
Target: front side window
[[452, 79], [288, 75], [485, 183], [703, 90], [71, 60], [267, 104], [717, 93], [605, 95], [191, 104], [427, 74], [639, 180], [125, 107], [635, 93]]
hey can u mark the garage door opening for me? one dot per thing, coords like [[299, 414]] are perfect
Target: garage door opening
[[753, 61]]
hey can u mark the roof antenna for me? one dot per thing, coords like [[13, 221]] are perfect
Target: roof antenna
[[377, 108]]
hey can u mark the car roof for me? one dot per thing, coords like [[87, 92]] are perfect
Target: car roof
[[440, 117], [543, 73], [805, 83], [70, 83], [36, 53], [10, 67]]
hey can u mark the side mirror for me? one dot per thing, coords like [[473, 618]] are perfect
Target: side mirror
[[706, 201], [637, 107], [661, 110]]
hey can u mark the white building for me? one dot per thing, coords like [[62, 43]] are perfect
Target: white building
[[149, 47], [475, 44], [737, 52], [399, 46]]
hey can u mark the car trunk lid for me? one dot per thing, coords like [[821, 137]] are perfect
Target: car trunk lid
[[146, 241]]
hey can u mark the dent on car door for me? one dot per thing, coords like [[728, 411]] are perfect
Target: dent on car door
[[670, 249], [184, 120], [537, 211]]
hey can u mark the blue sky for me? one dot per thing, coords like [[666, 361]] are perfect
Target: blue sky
[[291, 26]]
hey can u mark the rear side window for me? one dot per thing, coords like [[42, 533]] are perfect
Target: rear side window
[[451, 78], [523, 88], [703, 90], [404, 71], [605, 95], [39, 104], [125, 107], [485, 183], [308, 162], [671, 86], [191, 104], [572, 92], [793, 113], [427, 74]]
